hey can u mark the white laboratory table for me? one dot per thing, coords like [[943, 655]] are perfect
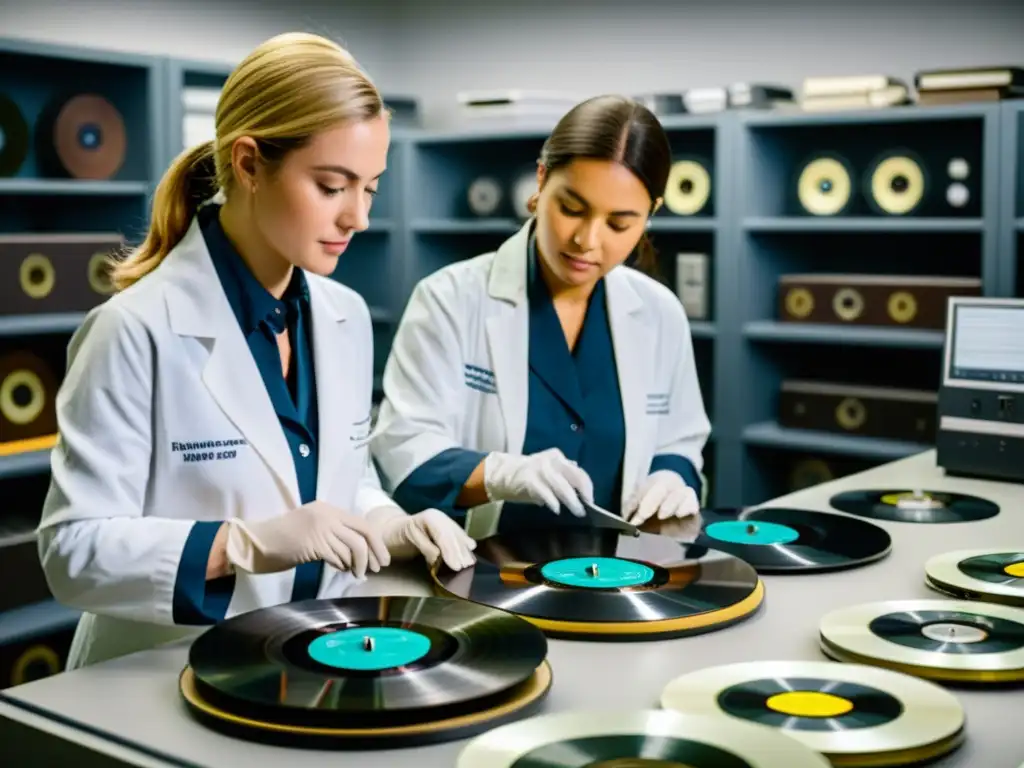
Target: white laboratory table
[[127, 712]]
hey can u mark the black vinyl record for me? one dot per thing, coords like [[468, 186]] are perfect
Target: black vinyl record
[[364, 662], [905, 506], [783, 540], [14, 137], [601, 582]]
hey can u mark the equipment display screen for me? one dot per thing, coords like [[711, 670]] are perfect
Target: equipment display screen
[[988, 343]]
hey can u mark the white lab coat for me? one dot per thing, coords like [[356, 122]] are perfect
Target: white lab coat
[[160, 366], [457, 375]]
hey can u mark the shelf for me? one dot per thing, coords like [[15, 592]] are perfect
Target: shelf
[[667, 223], [29, 463], [467, 226], [35, 325], [71, 187], [861, 223], [34, 620], [770, 435], [702, 329], [813, 333], [790, 116]]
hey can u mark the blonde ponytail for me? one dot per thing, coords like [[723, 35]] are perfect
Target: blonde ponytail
[[189, 181], [289, 88]]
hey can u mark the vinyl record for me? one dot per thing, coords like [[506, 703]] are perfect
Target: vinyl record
[[484, 196], [782, 540], [14, 137], [948, 640], [83, 137], [524, 187], [916, 506], [28, 392], [855, 715], [823, 186], [635, 739], [992, 575], [688, 189], [436, 726], [896, 184], [364, 662], [600, 583]]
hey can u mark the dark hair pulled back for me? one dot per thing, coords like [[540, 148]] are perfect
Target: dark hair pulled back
[[616, 128]]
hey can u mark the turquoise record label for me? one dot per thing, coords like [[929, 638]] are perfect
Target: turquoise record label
[[751, 532], [369, 648], [597, 572]]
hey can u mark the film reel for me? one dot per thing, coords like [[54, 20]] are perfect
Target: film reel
[[799, 302], [99, 274], [83, 137], [523, 188], [848, 304], [484, 196], [14, 137], [901, 306], [824, 186], [688, 188], [37, 276], [27, 394], [897, 184]]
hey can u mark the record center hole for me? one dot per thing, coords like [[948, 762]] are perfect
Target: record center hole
[[22, 396], [37, 276], [809, 704], [951, 632], [825, 185], [899, 184], [686, 186], [1015, 569]]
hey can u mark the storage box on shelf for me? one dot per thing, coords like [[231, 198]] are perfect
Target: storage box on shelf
[[845, 273]]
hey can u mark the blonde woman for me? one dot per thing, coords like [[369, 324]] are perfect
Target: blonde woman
[[214, 418]]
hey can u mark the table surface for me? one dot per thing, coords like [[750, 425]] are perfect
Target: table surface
[[136, 696]]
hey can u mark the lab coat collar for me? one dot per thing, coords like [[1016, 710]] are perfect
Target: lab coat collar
[[509, 276], [198, 307]]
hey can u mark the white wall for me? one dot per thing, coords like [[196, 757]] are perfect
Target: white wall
[[434, 48]]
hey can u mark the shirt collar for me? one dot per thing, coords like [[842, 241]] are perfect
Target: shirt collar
[[252, 304]]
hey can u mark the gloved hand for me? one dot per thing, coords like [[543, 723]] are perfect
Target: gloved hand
[[546, 478], [663, 493], [314, 531], [430, 533]]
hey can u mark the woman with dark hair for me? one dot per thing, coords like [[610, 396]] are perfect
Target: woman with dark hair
[[550, 373]]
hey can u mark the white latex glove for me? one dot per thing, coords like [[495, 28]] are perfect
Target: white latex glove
[[546, 478], [314, 531], [663, 493], [430, 533]]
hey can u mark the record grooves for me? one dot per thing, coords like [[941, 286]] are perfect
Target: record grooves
[[783, 540], [855, 715], [954, 641], [991, 575], [914, 506], [357, 668], [600, 583]]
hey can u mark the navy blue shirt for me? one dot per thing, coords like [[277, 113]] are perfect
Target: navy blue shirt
[[574, 404], [261, 316]]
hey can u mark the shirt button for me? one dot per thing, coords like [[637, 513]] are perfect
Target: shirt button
[[304, 450], [574, 427], [277, 310]]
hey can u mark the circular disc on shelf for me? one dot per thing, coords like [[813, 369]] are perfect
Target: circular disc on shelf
[[993, 575]]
